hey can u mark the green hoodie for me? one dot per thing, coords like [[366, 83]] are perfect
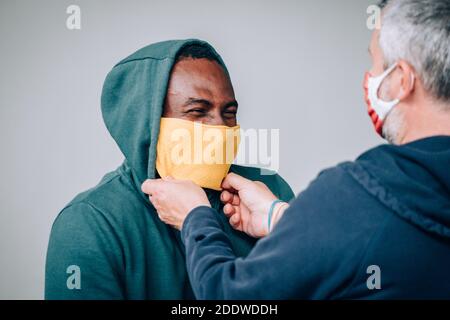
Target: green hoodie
[[108, 242]]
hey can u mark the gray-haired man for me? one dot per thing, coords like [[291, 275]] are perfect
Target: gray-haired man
[[375, 228]]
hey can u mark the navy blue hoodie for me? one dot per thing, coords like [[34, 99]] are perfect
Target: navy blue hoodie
[[375, 228]]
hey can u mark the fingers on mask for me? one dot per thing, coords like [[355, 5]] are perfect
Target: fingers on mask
[[235, 220], [235, 182], [151, 186], [147, 186], [236, 200], [226, 196], [229, 210]]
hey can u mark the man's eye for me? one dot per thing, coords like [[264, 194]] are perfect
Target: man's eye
[[197, 111], [230, 113]]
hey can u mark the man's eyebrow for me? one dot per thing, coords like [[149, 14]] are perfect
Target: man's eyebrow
[[207, 103], [193, 101], [233, 103]]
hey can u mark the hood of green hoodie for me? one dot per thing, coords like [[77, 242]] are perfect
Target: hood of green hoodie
[[133, 98]]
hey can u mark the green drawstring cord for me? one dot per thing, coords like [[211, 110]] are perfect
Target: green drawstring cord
[[272, 206]]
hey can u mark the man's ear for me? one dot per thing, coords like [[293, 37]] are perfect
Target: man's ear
[[407, 80]]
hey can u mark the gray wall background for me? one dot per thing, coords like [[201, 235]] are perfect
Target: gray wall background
[[295, 65]]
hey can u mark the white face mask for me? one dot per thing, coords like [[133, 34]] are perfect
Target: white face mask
[[377, 108]]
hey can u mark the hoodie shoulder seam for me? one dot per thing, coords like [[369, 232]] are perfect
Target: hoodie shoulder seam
[[85, 200], [373, 186]]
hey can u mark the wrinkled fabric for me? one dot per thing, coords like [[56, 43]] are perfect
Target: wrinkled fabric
[[387, 215]]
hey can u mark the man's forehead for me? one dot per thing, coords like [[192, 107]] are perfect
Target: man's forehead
[[198, 75], [198, 68]]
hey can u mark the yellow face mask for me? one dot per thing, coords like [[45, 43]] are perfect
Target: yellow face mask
[[195, 151]]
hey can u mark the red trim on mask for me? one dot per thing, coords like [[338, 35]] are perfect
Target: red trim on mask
[[376, 121]]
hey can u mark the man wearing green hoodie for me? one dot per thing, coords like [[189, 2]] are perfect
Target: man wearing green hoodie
[[108, 242]]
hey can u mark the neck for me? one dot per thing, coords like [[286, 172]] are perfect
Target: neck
[[424, 122]]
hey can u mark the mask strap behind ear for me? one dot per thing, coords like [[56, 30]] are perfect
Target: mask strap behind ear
[[389, 70]]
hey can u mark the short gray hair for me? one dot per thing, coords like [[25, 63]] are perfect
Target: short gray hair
[[418, 31]]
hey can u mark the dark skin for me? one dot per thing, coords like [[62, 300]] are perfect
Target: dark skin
[[200, 90]]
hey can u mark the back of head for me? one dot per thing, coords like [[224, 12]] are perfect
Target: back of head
[[418, 31]]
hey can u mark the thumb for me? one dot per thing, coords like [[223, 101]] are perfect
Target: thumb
[[236, 182], [149, 185]]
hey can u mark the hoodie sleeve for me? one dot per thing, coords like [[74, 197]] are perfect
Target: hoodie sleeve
[[83, 257], [314, 252]]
